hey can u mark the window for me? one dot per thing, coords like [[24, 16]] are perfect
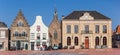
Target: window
[[43, 43], [44, 36], [68, 29], [68, 41], [96, 28], [23, 45], [104, 41], [86, 28], [76, 40], [23, 34], [97, 41], [32, 36], [20, 24], [38, 43], [38, 36], [55, 35], [104, 29], [1, 45], [16, 33], [75, 28], [2, 34], [38, 28]]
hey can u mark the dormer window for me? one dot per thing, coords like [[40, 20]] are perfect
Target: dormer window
[[20, 24]]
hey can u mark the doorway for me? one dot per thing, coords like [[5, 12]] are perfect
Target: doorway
[[32, 45], [86, 42], [18, 43]]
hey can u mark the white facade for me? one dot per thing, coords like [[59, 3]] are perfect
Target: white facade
[[38, 34]]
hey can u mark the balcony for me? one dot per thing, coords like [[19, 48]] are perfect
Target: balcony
[[86, 32]]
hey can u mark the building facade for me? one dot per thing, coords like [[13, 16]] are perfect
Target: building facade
[[55, 31], [38, 35], [4, 32], [86, 29], [20, 32], [116, 38]]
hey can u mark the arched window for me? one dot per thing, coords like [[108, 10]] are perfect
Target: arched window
[[20, 24], [68, 41], [55, 35], [104, 41], [97, 41], [76, 41]]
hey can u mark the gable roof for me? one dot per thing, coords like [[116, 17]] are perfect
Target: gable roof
[[118, 29], [75, 15], [20, 15], [2, 24]]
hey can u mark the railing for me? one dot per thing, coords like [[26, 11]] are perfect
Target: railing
[[86, 32]]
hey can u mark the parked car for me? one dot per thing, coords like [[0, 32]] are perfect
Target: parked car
[[55, 47]]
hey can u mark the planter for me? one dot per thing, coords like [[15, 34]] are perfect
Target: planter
[[65, 47], [104, 46], [71, 47], [97, 46]]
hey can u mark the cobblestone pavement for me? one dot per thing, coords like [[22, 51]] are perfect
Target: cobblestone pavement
[[56, 54], [65, 52]]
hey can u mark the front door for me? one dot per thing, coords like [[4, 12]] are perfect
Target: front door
[[18, 45], [32, 45], [26, 46], [86, 42]]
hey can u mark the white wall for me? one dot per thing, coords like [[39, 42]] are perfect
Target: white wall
[[43, 29]]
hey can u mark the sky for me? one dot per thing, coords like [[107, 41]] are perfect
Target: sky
[[45, 8]]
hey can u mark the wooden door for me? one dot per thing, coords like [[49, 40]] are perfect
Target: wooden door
[[86, 42], [32, 45]]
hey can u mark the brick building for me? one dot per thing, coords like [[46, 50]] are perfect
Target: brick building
[[55, 31], [20, 32]]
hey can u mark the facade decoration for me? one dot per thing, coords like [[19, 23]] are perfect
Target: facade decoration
[[20, 32], [39, 39], [55, 32], [86, 29]]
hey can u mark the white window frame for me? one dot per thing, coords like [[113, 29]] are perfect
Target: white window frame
[[2, 34]]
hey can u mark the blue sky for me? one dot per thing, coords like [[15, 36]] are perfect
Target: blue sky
[[45, 8]]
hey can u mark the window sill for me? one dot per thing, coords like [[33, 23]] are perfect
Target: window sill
[[2, 37]]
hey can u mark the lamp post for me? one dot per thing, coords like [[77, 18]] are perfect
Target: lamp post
[[101, 41]]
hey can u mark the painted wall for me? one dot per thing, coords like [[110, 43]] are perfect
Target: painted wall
[[41, 28]]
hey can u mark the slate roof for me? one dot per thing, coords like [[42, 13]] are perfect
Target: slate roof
[[76, 14], [2, 24]]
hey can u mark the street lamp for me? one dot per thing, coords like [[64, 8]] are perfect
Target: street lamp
[[101, 41]]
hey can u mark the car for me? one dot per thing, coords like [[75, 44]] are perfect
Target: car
[[55, 47]]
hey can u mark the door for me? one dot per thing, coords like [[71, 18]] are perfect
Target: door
[[86, 42], [18, 45], [32, 45], [26, 46]]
